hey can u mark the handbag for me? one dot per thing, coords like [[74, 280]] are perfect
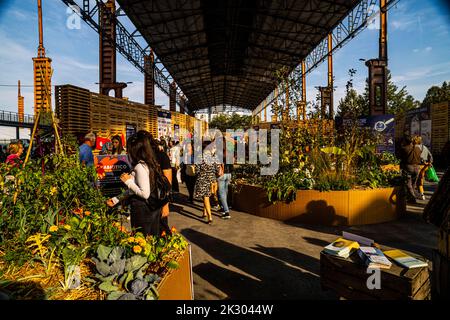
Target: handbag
[[161, 194], [190, 170], [431, 175]]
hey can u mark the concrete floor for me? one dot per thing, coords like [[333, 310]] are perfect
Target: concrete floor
[[248, 257]]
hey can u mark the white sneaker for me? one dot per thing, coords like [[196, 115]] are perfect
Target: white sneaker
[[422, 197]]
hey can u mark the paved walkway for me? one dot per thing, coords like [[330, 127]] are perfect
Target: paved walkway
[[248, 257]]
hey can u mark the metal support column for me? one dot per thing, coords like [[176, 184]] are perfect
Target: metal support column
[[265, 110], [182, 105], [325, 101], [20, 105], [286, 111], [301, 107], [275, 114], [330, 76], [149, 79], [173, 96], [107, 52], [378, 69]]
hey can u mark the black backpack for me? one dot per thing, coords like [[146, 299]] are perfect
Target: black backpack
[[161, 193]]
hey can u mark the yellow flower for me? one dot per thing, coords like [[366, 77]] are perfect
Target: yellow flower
[[173, 230], [53, 228], [53, 190], [131, 239], [137, 249], [67, 227], [141, 242], [123, 229], [87, 213]]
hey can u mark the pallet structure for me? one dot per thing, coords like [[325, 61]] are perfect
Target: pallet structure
[[440, 126], [439, 114], [81, 111]]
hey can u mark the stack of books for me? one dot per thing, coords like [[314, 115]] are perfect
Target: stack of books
[[374, 258], [404, 260], [341, 247], [370, 254]]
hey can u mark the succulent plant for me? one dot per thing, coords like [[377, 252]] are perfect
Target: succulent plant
[[124, 278]]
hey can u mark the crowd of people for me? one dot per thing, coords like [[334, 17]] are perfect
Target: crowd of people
[[161, 164]]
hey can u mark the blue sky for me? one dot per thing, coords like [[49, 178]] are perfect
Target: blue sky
[[418, 33]]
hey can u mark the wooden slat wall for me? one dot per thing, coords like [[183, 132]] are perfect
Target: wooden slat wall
[[440, 123], [81, 111], [73, 109]]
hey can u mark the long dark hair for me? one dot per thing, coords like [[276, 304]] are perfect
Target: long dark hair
[[139, 149], [120, 147]]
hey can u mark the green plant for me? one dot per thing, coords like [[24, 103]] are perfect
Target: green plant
[[124, 278], [284, 186]]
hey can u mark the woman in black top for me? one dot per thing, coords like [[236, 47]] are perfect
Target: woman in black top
[[164, 162]]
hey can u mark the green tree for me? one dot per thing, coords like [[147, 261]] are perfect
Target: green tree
[[235, 121], [436, 94], [353, 104], [399, 101]]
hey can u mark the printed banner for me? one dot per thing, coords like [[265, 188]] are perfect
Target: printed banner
[[164, 123], [176, 132], [425, 132], [418, 123], [109, 169], [384, 128]]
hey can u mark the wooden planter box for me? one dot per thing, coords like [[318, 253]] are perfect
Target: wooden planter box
[[331, 208], [177, 284]]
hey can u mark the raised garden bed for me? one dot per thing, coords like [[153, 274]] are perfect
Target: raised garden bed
[[178, 284], [330, 208]]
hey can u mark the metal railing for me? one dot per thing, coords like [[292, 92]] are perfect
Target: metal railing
[[13, 117]]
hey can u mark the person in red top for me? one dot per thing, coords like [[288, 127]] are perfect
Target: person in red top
[[15, 150]]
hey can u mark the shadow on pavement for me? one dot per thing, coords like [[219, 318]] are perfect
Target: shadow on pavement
[[262, 277]]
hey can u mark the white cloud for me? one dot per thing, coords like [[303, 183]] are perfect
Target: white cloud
[[402, 24], [424, 72], [428, 49], [416, 50]]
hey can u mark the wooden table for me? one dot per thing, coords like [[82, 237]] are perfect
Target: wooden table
[[348, 278]]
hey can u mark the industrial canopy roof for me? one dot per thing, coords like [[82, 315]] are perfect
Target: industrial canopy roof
[[227, 51]]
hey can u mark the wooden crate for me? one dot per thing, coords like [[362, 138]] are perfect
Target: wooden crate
[[348, 278]]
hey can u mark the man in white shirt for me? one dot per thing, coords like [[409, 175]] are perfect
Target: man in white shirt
[[175, 159]]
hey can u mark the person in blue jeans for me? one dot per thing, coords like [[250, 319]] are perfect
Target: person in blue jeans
[[223, 183], [225, 179]]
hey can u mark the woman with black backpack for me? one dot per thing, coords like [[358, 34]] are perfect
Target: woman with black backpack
[[148, 189]]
